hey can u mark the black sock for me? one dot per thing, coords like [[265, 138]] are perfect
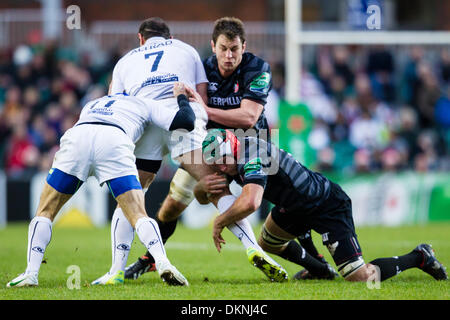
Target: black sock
[[166, 229], [307, 243], [296, 254], [390, 267]]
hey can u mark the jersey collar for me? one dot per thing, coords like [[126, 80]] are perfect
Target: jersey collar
[[155, 39]]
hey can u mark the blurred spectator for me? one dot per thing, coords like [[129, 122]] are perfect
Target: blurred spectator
[[21, 154], [366, 132], [362, 161], [407, 131], [319, 138], [428, 94], [410, 78], [325, 161], [321, 106], [445, 66], [391, 160], [380, 69], [442, 110]]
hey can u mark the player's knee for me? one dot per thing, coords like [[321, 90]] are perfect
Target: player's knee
[[270, 242], [182, 187], [354, 270]]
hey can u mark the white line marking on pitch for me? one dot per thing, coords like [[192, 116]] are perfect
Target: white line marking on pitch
[[202, 246]]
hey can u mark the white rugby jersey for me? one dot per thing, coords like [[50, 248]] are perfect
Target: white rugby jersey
[[131, 114], [150, 70]]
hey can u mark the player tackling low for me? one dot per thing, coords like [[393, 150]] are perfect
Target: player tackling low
[[303, 200]]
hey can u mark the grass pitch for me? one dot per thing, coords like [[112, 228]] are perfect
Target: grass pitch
[[214, 276]]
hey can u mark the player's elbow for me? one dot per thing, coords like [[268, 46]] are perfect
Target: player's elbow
[[185, 119], [250, 121], [190, 124], [252, 204]]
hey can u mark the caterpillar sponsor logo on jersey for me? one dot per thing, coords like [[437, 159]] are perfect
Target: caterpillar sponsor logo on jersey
[[229, 101]]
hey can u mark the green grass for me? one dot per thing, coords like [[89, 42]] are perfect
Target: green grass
[[224, 276]]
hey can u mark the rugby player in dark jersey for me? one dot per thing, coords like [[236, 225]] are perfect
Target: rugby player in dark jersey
[[239, 83], [303, 200]]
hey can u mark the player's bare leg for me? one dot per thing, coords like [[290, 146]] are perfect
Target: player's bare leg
[[170, 209], [51, 202], [40, 234]]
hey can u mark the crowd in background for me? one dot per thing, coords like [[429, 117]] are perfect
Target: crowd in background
[[371, 113], [378, 109]]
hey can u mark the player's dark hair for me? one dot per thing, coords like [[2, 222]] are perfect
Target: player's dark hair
[[230, 27], [154, 27]]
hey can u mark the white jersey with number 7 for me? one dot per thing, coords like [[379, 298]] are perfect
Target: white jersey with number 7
[[150, 70]]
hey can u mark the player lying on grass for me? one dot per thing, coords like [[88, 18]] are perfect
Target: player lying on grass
[[303, 200], [149, 71], [101, 144], [239, 85]]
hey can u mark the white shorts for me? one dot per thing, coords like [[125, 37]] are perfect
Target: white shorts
[[155, 143], [96, 150]]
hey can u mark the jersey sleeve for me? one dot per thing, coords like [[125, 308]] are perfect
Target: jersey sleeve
[[258, 82], [116, 81], [200, 73], [254, 159], [253, 172]]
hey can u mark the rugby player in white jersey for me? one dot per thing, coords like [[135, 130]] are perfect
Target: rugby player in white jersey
[[149, 71], [101, 144]]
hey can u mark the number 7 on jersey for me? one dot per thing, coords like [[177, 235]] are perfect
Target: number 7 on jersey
[[158, 57]]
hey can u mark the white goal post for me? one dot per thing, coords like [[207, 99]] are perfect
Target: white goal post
[[295, 38]]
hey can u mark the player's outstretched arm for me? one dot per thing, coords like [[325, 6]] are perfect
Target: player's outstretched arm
[[248, 202]]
